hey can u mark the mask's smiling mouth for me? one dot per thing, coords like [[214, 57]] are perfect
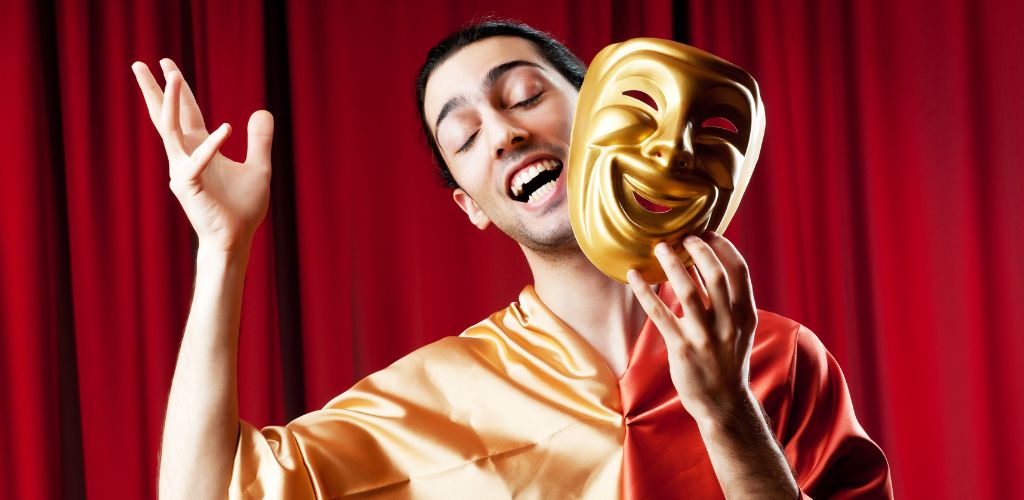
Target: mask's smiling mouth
[[649, 205], [535, 181]]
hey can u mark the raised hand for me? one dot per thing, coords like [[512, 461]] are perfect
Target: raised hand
[[225, 201], [709, 347]]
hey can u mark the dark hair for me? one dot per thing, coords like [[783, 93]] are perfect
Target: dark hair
[[556, 54]]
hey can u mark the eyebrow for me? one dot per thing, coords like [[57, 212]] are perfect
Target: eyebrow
[[490, 79]]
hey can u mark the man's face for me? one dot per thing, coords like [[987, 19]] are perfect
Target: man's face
[[664, 146], [502, 118]]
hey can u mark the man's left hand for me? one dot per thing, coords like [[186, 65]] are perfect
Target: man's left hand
[[708, 347]]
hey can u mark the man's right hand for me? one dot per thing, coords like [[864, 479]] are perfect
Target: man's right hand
[[224, 200]]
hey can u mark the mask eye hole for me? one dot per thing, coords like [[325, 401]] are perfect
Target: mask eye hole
[[643, 97], [719, 123]]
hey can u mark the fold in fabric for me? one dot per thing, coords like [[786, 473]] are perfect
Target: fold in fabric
[[521, 406]]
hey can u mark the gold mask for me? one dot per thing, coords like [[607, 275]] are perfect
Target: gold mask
[[664, 141]]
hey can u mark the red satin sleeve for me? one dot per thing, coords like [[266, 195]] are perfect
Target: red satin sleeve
[[830, 451]]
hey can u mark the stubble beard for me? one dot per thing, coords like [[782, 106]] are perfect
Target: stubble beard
[[556, 240]]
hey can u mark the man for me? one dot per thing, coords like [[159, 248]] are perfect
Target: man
[[584, 387]]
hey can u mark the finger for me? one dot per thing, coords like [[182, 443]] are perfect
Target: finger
[[261, 137], [691, 269], [713, 273], [191, 117], [660, 314], [743, 306], [204, 153], [170, 126], [686, 291], [150, 91], [682, 284]]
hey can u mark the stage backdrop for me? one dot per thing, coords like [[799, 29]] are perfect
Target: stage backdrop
[[884, 214]]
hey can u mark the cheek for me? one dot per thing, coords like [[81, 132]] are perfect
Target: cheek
[[471, 172], [465, 176], [569, 113], [557, 118]]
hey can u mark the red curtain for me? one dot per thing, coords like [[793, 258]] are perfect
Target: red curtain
[[882, 215], [885, 214]]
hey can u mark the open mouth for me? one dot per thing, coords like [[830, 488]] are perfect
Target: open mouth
[[649, 205], [644, 202], [535, 181]]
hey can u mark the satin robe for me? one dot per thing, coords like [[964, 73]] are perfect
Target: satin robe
[[521, 406]]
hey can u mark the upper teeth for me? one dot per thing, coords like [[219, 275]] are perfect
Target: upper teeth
[[527, 174]]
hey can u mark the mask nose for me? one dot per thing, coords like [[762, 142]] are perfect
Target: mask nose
[[671, 148]]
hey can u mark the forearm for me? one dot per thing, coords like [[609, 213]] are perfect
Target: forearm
[[201, 427], [745, 455]]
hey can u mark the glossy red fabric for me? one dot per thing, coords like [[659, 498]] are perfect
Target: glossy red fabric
[[804, 395]]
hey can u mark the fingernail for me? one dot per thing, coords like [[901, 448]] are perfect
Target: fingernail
[[710, 234], [662, 248], [691, 239]]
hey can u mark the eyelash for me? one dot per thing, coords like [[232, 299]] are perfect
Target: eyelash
[[521, 104], [528, 102]]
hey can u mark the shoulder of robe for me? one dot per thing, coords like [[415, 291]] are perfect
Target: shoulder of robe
[[775, 337], [437, 368], [778, 342]]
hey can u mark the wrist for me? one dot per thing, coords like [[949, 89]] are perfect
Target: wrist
[[742, 411], [217, 263], [217, 253]]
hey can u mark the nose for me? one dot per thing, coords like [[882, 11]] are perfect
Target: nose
[[672, 148], [506, 136]]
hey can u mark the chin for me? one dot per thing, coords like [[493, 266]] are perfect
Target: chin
[[556, 239]]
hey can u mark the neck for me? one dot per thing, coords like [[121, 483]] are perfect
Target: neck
[[599, 309]]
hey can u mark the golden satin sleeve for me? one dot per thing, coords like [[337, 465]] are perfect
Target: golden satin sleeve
[[520, 406]]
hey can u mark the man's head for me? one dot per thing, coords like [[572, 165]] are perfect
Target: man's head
[[496, 101]]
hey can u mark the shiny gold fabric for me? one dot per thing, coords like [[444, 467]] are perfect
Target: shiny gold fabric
[[664, 142], [520, 406]]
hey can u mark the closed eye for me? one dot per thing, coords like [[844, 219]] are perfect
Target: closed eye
[[643, 97], [469, 142], [719, 123], [528, 102]]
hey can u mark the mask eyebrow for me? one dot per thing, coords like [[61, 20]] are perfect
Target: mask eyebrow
[[492, 77]]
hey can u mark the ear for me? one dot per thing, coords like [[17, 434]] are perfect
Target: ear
[[476, 216]]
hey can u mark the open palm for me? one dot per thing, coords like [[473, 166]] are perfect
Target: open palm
[[224, 200]]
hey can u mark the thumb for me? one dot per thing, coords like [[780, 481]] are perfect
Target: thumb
[[261, 135]]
